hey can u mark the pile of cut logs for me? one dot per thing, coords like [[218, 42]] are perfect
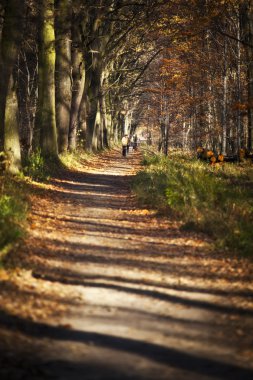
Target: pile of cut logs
[[208, 155], [212, 158]]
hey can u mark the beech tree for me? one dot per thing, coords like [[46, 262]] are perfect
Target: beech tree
[[63, 71], [46, 117], [11, 36], [246, 10]]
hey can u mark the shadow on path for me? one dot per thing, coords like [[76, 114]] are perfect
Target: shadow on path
[[167, 356], [167, 304]]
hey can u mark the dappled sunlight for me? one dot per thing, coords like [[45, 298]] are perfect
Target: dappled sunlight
[[117, 284], [126, 176]]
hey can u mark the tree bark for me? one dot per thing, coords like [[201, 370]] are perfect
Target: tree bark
[[46, 120], [78, 82], [104, 121], [63, 72], [93, 114], [11, 130], [239, 131], [250, 75], [2, 3], [246, 12], [82, 120], [224, 106], [11, 38]]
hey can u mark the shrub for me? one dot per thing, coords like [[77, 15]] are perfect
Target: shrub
[[215, 200], [35, 166], [12, 213]]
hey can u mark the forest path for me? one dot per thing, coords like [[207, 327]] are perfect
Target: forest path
[[107, 290]]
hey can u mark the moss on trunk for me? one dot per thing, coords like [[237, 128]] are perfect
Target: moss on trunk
[[10, 42], [78, 82], [46, 120], [11, 131], [63, 72]]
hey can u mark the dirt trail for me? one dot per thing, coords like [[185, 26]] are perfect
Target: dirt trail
[[109, 291]]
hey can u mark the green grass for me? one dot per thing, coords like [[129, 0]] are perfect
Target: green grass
[[14, 200], [39, 168], [14, 191], [35, 166], [217, 200], [13, 209], [75, 160]]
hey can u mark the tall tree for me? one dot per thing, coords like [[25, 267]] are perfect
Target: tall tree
[[78, 75], [10, 41], [247, 34], [46, 119], [63, 71]]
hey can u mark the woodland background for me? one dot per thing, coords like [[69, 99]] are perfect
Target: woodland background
[[81, 73]]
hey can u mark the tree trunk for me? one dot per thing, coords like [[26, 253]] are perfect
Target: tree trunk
[[27, 92], [104, 121], [11, 130], [104, 106], [78, 81], [1, 19], [246, 12], [11, 38], [239, 131], [63, 73], [224, 109], [89, 116], [46, 120], [82, 119], [93, 115], [250, 75]]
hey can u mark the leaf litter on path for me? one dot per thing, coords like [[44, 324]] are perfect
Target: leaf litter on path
[[104, 289]]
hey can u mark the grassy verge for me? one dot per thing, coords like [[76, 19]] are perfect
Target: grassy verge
[[217, 200], [14, 198], [14, 191], [76, 160], [39, 169], [13, 210]]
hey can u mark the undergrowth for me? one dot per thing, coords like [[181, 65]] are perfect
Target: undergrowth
[[14, 190], [13, 209], [39, 168], [75, 160], [217, 200], [13, 197]]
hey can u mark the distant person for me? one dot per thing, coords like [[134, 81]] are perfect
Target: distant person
[[128, 144], [135, 142], [125, 142]]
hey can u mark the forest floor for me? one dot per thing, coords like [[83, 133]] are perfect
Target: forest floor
[[104, 289]]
